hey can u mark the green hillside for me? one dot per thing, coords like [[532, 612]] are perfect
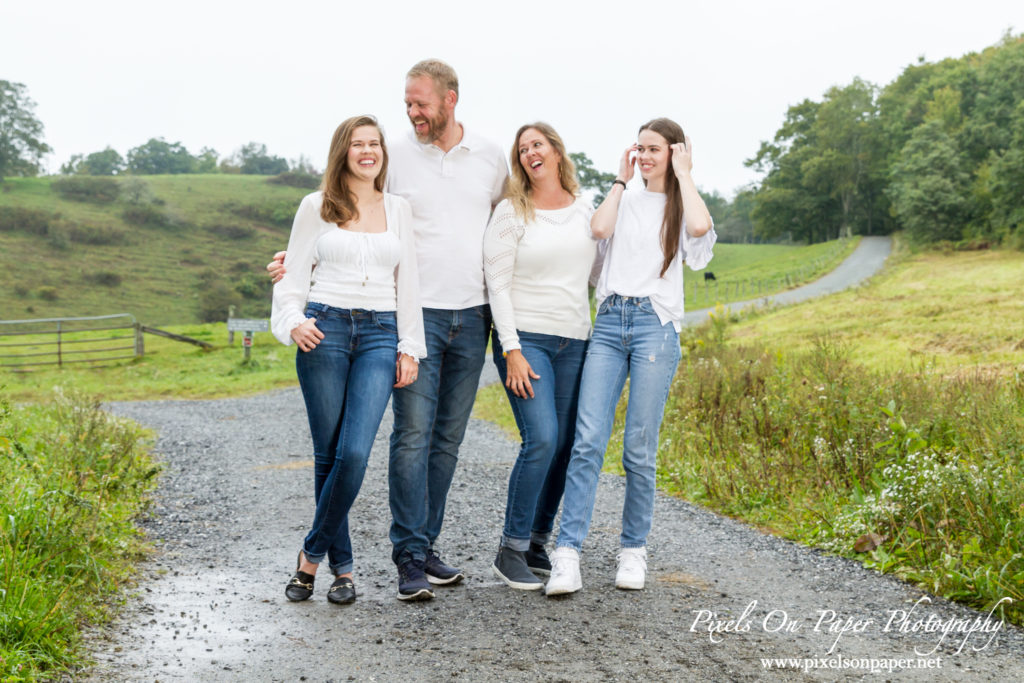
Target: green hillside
[[164, 249], [179, 249]]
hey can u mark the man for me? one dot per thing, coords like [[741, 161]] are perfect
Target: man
[[452, 179]]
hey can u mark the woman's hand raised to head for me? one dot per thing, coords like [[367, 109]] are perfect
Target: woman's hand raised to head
[[276, 267], [682, 156], [628, 164], [306, 335]]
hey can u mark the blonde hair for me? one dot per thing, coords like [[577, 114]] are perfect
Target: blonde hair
[[339, 202], [441, 73], [518, 191]]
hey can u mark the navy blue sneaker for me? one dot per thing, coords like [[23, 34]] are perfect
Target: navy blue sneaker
[[440, 574], [537, 559], [412, 583]]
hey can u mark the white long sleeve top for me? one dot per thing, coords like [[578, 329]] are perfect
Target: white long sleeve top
[[537, 271], [354, 270], [632, 265]]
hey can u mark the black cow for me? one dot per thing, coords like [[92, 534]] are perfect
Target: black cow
[[708, 275]]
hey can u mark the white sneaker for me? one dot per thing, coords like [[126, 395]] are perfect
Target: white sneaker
[[565, 572], [632, 569]]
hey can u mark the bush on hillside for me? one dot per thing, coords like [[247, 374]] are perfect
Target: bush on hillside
[[151, 216], [98, 235], [215, 298], [47, 293], [278, 214], [104, 278], [232, 231], [20, 219], [87, 188], [306, 181]]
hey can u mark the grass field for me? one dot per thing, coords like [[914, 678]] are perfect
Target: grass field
[[885, 423]]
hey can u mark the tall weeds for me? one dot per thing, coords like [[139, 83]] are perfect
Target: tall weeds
[[72, 481], [921, 472]]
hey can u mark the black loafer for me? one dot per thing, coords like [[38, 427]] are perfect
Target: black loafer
[[342, 592], [300, 586]]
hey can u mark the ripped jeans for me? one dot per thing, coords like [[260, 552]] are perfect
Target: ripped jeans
[[629, 341]]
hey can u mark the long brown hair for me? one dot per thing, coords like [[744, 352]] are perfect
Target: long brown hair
[[339, 203], [519, 188], [673, 221]]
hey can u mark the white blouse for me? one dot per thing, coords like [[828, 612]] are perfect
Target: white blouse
[[355, 270], [632, 265], [537, 271]]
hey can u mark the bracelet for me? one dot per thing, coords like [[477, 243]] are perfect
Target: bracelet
[[619, 182]]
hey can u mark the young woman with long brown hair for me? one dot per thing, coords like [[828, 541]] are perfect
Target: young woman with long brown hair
[[357, 322], [651, 232]]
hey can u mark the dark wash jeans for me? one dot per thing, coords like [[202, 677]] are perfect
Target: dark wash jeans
[[547, 425], [346, 381], [431, 415]]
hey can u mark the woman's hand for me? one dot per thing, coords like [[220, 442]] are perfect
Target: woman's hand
[[682, 156], [628, 164], [306, 335], [276, 267], [518, 374], [406, 371]]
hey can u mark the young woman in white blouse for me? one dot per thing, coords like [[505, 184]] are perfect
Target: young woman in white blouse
[[357, 322], [651, 233], [538, 255]]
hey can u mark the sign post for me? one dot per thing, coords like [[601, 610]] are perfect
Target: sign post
[[248, 326]]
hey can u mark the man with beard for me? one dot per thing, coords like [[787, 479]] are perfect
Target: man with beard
[[452, 178]]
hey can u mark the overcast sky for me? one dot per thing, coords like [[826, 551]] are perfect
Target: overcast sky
[[221, 74]]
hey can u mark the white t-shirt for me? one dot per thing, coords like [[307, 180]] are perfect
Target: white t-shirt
[[632, 265], [371, 271], [537, 271], [451, 194]]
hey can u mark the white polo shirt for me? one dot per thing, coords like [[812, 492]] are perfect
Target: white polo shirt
[[451, 196]]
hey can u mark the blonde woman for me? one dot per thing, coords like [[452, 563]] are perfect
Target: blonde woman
[[538, 255], [357, 321]]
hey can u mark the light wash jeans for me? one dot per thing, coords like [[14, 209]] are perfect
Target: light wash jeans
[[431, 415], [629, 341], [346, 381], [547, 425]]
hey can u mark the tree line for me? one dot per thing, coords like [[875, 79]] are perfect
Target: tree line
[[157, 156], [937, 153]]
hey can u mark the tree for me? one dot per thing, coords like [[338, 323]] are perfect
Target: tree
[[107, 162], [929, 186], [21, 133], [254, 160], [206, 161], [159, 156], [590, 178]]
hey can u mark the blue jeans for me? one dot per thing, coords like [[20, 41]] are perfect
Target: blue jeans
[[431, 415], [346, 381], [629, 340], [547, 424]]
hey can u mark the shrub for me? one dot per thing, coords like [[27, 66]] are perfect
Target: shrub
[[105, 278], [98, 235], [306, 181], [72, 479], [215, 298], [86, 188], [279, 214], [231, 230], [151, 216], [47, 293], [20, 219], [136, 191]]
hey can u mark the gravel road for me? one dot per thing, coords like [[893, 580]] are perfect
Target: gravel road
[[236, 500]]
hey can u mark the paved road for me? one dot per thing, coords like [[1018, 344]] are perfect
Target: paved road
[[866, 260], [235, 500]]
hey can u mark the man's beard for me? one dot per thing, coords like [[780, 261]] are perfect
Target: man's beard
[[435, 128]]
